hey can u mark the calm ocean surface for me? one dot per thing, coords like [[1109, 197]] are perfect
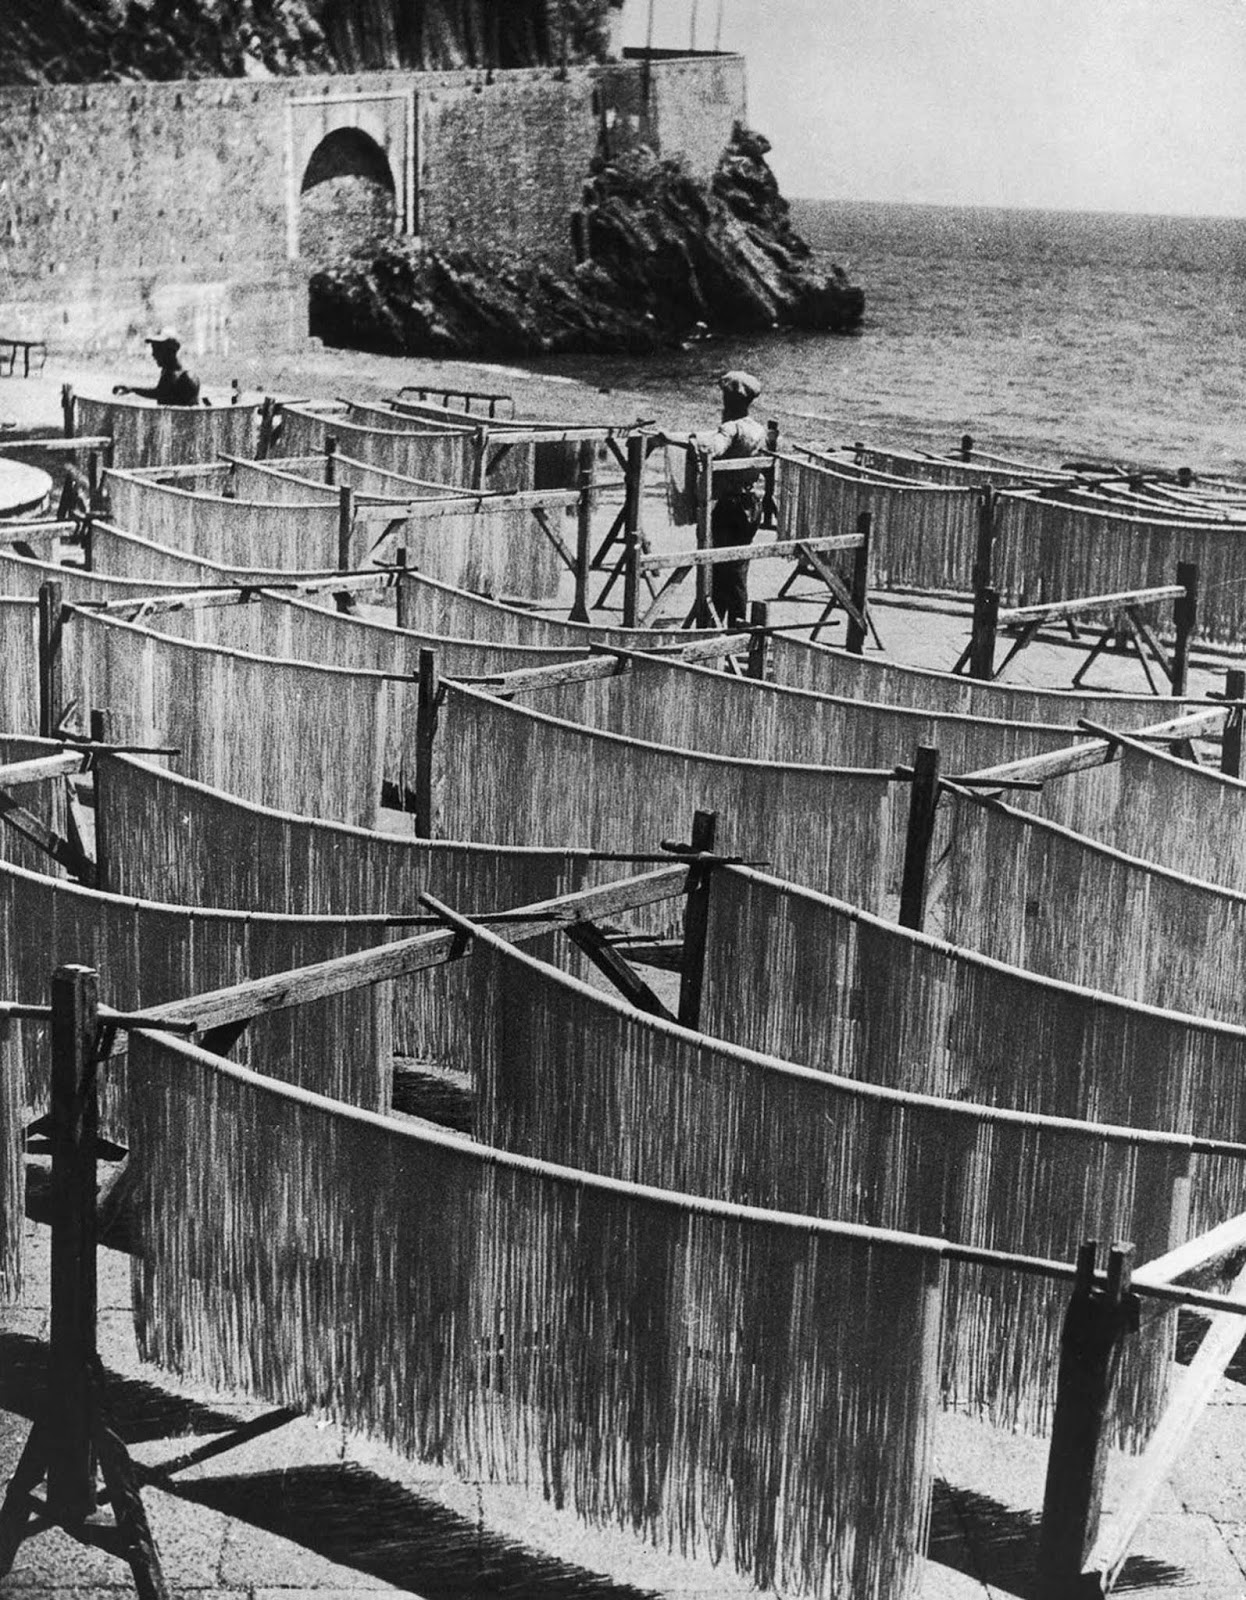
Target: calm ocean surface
[[1054, 335]]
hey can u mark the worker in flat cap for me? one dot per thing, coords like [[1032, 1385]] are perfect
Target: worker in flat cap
[[738, 496], [175, 386]]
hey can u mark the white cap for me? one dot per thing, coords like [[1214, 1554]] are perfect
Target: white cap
[[741, 383]]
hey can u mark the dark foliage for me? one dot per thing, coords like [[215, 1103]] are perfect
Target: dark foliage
[[90, 41]]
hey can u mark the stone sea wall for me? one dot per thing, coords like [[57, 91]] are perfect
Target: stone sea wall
[[128, 204]]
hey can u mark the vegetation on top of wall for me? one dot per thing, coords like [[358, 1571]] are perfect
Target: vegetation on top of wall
[[90, 41], [665, 258]]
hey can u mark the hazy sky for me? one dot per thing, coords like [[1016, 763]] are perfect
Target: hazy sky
[[1117, 105]]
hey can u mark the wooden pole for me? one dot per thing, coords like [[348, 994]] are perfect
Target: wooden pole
[[1231, 747], [345, 526], [101, 733], [984, 633], [71, 1428], [402, 598], [51, 626], [985, 623], [1184, 618], [855, 640], [770, 505], [633, 536], [759, 643], [330, 460], [427, 707], [983, 556], [72, 1353], [480, 457], [646, 77], [1097, 1320], [923, 804], [584, 531], [705, 514], [264, 442], [696, 921], [67, 409]]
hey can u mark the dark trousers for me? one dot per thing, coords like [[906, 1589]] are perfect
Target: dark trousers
[[734, 520]]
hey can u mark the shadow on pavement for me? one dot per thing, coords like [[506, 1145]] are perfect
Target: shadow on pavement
[[349, 1515], [358, 1519], [989, 1542]]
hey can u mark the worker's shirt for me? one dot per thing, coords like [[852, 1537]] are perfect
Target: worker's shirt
[[743, 436], [734, 440], [176, 388]]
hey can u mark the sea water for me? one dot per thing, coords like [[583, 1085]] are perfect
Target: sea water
[[1051, 335]]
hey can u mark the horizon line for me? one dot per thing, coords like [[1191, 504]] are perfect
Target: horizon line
[[996, 205]]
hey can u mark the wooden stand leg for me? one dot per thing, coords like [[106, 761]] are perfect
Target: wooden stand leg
[[696, 922], [17, 1510], [1231, 747], [72, 1432], [583, 532], [121, 1482], [402, 590], [51, 629], [701, 611], [855, 640], [1095, 1326], [1185, 617], [985, 633], [923, 803], [758, 644], [429, 700]]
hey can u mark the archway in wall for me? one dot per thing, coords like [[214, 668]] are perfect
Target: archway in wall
[[347, 202]]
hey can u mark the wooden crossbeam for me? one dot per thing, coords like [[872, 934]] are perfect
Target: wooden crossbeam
[[525, 680], [259, 996], [1199, 1254], [155, 605], [522, 433], [1051, 609], [39, 769], [1097, 752], [774, 550], [91, 441]]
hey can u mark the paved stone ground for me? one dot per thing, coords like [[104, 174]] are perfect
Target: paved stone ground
[[307, 1510]]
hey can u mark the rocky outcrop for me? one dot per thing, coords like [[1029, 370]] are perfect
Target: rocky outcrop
[[665, 257]]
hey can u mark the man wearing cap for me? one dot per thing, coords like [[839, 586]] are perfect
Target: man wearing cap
[[175, 386], [738, 499]]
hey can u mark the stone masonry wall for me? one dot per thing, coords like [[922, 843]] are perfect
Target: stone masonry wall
[[124, 205], [504, 164]]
